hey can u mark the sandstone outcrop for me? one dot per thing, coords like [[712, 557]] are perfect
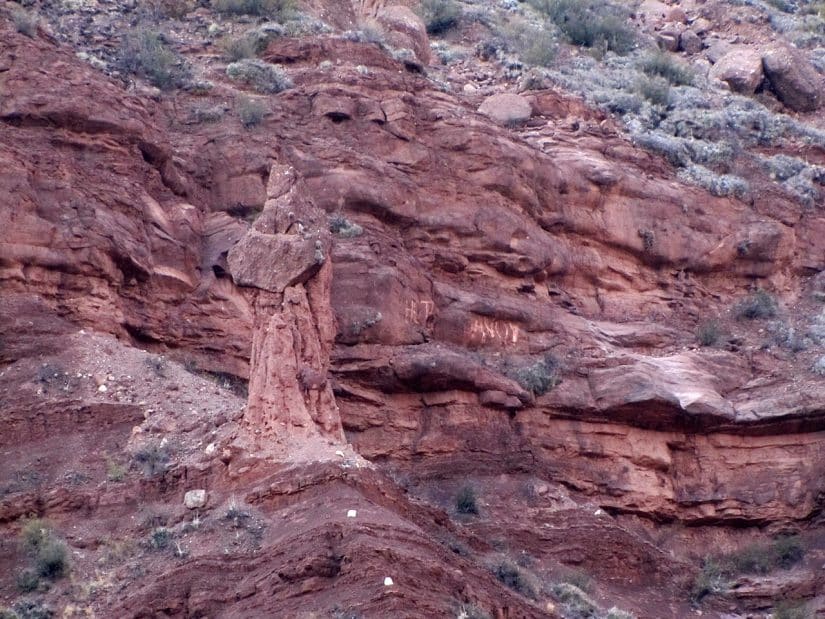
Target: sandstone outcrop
[[372, 300]]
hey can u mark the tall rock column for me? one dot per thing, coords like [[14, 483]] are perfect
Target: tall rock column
[[282, 263]]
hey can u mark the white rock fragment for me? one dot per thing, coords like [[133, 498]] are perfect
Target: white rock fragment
[[195, 499], [210, 449], [599, 512], [102, 389], [352, 513], [339, 453], [388, 582]]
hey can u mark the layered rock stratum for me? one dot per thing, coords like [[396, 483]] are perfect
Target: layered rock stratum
[[340, 319]]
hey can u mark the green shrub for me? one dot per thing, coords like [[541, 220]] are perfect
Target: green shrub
[[114, 471], [575, 601], [576, 577], [250, 111], [466, 501], [31, 609], [537, 378], [783, 552], [791, 610], [238, 48], [33, 534], [787, 550], [710, 579], [25, 22], [783, 167], [237, 516], [49, 554], [259, 75], [709, 332], [720, 185], [655, 89], [440, 15], [512, 576], [160, 538], [145, 53], [278, 10], [760, 304], [27, 581], [152, 459], [662, 64], [535, 45], [344, 227], [52, 559], [786, 6], [591, 23]]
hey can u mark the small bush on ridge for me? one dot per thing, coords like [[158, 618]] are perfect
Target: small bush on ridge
[[760, 304], [261, 76], [146, 54], [275, 9], [466, 501], [440, 15]]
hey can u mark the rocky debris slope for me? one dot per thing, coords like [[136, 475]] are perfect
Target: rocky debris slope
[[419, 298]]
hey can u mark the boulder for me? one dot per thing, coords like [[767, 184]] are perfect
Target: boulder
[[274, 262], [701, 26], [794, 79], [404, 29], [716, 49], [652, 12], [689, 42], [668, 37], [677, 14], [506, 108], [195, 499], [741, 69]]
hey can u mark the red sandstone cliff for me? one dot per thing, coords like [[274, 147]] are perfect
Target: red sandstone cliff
[[391, 272]]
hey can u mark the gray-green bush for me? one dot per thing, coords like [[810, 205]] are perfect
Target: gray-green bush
[[760, 304], [152, 459], [238, 48], [591, 23], [47, 552], [261, 76], [536, 45], [662, 64], [466, 501], [514, 577], [539, 377], [782, 552], [146, 54], [276, 9], [440, 15], [250, 111], [25, 22]]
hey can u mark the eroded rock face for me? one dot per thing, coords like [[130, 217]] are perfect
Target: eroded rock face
[[486, 304]]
